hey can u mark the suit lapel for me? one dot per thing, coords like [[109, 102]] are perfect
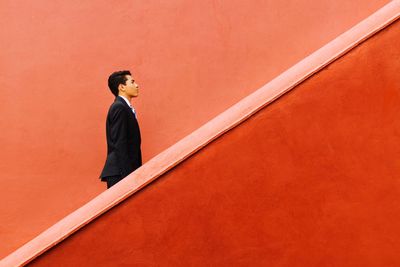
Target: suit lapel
[[120, 99]]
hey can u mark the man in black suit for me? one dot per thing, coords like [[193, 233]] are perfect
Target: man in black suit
[[122, 130]]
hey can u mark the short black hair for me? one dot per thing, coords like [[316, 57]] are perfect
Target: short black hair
[[117, 78]]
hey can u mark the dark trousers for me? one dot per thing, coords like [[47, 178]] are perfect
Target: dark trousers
[[112, 180]]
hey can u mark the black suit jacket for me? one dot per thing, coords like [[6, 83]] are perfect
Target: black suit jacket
[[123, 141]]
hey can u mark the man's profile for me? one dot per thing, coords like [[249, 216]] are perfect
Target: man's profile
[[122, 130]]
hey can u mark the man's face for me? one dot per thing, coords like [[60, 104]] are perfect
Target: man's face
[[131, 88]]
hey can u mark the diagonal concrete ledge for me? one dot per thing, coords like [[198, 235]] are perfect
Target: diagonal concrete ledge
[[204, 135]]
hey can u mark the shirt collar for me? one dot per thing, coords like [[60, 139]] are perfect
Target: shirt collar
[[129, 104], [126, 100]]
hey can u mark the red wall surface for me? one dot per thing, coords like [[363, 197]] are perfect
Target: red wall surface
[[192, 59], [310, 180]]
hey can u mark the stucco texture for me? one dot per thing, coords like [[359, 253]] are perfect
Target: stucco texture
[[310, 180]]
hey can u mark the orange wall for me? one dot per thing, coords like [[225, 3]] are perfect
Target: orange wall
[[192, 59], [310, 180]]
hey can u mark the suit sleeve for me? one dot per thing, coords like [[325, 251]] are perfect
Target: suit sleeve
[[119, 136]]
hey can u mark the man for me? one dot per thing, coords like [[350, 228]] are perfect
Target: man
[[122, 130]]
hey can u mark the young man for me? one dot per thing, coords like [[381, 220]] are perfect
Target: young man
[[122, 130]]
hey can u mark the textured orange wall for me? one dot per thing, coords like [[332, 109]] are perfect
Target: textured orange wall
[[311, 180], [193, 59]]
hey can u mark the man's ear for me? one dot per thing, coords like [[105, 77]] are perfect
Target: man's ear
[[120, 87]]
